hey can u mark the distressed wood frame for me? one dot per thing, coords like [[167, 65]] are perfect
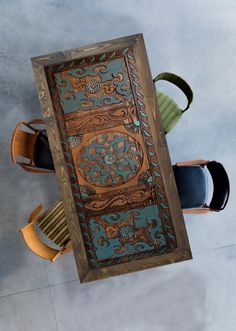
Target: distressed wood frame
[[40, 65]]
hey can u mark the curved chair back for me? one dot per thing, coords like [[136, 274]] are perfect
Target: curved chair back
[[52, 223], [23, 144], [221, 186], [170, 112]]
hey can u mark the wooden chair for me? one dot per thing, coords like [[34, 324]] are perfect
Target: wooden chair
[[52, 224], [170, 112], [192, 185], [33, 146]]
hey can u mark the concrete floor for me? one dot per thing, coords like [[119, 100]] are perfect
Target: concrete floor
[[196, 39]]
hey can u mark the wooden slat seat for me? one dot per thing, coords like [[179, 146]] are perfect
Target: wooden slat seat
[[52, 224]]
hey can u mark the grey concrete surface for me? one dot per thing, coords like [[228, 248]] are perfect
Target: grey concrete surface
[[195, 39]]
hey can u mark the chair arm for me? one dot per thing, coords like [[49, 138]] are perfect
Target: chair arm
[[33, 169], [67, 248], [179, 82], [193, 162], [33, 216], [37, 246], [35, 121], [198, 210]]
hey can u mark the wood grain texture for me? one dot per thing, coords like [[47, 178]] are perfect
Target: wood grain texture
[[70, 137]]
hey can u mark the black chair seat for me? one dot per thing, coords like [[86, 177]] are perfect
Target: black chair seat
[[192, 186], [43, 157]]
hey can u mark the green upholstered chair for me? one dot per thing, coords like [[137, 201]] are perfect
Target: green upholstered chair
[[171, 113]]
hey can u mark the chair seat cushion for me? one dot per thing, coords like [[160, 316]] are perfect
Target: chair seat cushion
[[42, 156], [192, 186], [170, 111]]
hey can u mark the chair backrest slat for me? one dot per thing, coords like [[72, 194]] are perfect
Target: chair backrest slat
[[58, 229], [53, 225], [53, 221], [63, 238], [50, 215]]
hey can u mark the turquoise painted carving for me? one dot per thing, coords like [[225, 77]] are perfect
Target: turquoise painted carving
[[110, 159], [75, 141], [145, 178], [133, 127], [119, 234], [93, 86], [126, 231], [86, 191]]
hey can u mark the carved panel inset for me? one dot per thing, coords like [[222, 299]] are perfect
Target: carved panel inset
[[110, 159], [93, 86], [124, 233], [120, 199], [107, 117]]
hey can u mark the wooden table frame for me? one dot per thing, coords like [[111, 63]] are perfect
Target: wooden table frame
[[42, 66]]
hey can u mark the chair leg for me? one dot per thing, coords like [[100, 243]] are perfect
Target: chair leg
[[196, 211], [35, 121], [35, 170], [192, 162], [67, 249], [56, 256]]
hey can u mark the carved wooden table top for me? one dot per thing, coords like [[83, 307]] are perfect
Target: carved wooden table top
[[111, 158]]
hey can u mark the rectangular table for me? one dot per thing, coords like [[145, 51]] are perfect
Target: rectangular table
[[111, 158]]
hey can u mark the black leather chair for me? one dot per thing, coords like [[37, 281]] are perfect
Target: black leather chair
[[192, 185]]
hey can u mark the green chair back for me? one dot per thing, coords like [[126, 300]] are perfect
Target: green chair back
[[171, 113]]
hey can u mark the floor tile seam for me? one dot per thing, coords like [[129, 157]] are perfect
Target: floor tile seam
[[38, 288], [22, 292], [214, 248], [50, 295], [63, 283], [53, 308], [49, 286]]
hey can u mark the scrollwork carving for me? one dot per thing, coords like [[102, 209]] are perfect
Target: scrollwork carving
[[99, 119], [119, 200]]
